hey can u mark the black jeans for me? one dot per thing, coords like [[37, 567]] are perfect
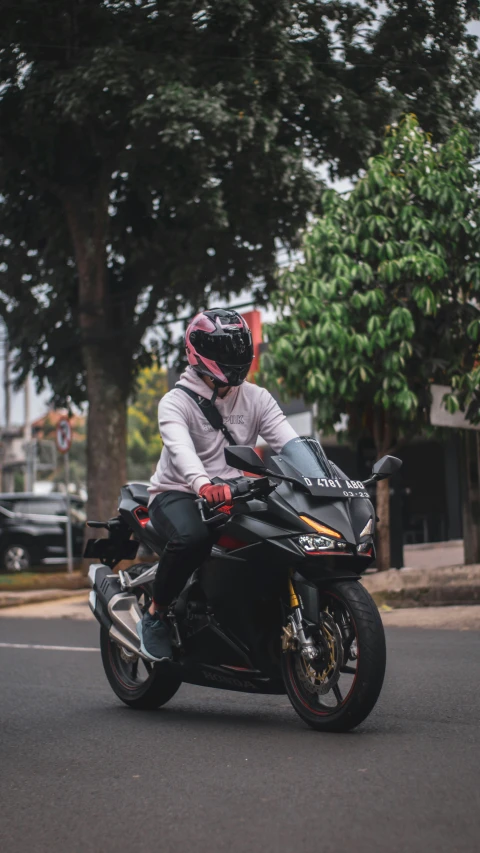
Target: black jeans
[[176, 519]]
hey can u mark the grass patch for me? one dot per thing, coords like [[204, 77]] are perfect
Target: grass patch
[[42, 580]]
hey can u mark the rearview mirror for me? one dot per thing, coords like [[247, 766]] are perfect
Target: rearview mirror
[[245, 459], [386, 466]]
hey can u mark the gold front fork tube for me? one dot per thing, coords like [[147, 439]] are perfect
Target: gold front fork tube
[[294, 602]]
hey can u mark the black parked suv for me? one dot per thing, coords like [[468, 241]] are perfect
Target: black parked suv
[[33, 530]]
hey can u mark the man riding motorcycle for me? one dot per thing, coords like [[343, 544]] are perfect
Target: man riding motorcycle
[[220, 353]]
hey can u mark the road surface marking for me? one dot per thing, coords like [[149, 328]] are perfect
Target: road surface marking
[[48, 648]]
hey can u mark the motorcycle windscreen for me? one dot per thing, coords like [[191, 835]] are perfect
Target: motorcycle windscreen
[[307, 457]]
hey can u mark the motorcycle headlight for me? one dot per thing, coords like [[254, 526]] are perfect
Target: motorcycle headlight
[[313, 544]]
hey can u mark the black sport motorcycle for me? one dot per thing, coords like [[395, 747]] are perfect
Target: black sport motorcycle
[[277, 608]]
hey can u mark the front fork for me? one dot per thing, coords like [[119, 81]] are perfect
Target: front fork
[[294, 633]]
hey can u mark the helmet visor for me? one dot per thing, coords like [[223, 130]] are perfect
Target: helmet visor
[[235, 348]]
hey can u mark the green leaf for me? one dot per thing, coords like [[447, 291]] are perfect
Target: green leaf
[[425, 299], [350, 243], [374, 322], [473, 330], [451, 403]]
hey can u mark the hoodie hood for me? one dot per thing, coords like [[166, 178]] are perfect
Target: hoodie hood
[[194, 382]]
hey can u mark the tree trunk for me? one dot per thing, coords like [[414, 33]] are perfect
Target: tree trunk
[[106, 435], [383, 527], [105, 358], [471, 496]]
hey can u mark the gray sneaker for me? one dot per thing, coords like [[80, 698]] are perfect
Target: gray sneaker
[[154, 636]]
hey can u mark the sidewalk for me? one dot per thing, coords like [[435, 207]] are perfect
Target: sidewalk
[[452, 585], [431, 579], [434, 555], [465, 618], [425, 587], [456, 618]]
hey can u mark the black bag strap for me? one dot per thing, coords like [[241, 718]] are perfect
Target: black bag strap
[[211, 413]]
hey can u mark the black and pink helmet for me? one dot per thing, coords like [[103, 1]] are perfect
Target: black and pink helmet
[[219, 344]]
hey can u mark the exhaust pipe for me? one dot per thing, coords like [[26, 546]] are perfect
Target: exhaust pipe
[[125, 614], [121, 640], [117, 611]]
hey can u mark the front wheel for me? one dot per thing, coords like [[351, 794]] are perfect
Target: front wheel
[[136, 682], [338, 692], [16, 558]]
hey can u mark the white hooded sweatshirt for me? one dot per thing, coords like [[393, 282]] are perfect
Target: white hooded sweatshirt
[[193, 451]]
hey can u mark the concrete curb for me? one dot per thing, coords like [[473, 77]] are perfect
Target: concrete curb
[[15, 599], [453, 585]]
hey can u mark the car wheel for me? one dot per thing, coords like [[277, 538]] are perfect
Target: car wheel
[[16, 558]]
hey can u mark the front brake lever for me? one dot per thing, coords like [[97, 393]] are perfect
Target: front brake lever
[[201, 504], [215, 519]]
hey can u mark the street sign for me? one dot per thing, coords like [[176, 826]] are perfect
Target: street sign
[[63, 436], [439, 416]]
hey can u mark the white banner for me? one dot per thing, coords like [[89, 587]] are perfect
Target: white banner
[[439, 415]]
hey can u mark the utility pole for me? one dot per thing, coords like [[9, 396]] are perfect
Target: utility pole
[[471, 496], [63, 438], [6, 379], [27, 435], [6, 389]]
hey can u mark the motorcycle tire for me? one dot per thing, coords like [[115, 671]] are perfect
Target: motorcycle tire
[[156, 689], [366, 622]]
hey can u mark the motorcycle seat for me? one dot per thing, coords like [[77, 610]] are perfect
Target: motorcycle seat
[[139, 493]]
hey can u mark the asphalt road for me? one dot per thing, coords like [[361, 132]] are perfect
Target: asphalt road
[[218, 771]]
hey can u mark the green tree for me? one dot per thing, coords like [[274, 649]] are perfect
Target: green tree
[[153, 151], [385, 301], [429, 60], [143, 438]]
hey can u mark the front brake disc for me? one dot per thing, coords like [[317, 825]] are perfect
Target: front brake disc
[[319, 677]]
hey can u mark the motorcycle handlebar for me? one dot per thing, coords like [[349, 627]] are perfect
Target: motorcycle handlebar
[[240, 492]]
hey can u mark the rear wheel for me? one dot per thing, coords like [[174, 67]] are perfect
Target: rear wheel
[[136, 682], [338, 693]]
